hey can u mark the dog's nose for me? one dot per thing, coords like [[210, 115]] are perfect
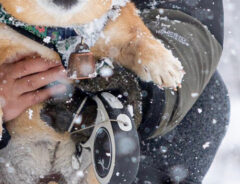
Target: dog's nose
[[65, 3]]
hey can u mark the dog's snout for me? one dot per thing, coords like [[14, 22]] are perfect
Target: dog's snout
[[65, 3]]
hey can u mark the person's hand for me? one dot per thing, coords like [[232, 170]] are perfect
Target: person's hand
[[20, 84]]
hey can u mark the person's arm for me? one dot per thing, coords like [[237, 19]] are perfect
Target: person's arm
[[196, 48]]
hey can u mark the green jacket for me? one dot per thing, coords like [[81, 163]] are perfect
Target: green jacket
[[196, 48]]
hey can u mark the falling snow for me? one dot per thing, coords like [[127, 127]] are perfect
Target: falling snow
[[206, 145], [30, 114], [78, 120], [214, 121], [199, 110], [195, 95], [47, 39], [106, 72], [19, 9], [163, 149], [178, 173]]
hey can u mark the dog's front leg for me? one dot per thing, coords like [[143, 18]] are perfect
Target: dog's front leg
[[128, 41]]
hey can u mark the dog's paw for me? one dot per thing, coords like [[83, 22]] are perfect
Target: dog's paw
[[161, 67]]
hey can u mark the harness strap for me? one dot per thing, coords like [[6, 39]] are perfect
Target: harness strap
[[33, 37], [63, 40]]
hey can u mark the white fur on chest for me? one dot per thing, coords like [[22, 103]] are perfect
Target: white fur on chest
[[25, 160]]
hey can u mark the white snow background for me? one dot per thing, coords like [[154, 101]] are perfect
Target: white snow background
[[226, 166]]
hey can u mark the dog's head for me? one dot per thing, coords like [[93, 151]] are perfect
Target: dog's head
[[56, 12]]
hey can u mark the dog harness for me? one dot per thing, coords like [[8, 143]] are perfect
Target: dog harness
[[64, 40]]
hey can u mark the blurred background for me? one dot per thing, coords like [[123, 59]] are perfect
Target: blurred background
[[226, 166]]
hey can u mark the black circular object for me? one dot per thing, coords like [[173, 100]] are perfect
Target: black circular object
[[102, 152]]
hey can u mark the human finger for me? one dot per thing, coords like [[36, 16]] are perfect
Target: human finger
[[36, 81], [36, 97], [31, 65]]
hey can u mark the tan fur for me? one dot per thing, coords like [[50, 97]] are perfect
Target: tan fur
[[52, 182], [32, 127], [138, 50], [14, 44], [130, 44], [91, 177], [32, 11]]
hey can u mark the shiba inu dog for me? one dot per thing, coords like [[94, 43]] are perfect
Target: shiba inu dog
[[121, 35]]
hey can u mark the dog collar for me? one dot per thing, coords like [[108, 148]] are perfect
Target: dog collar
[[64, 40], [47, 34]]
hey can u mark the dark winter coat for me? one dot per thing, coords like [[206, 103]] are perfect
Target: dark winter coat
[[199, 52]]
